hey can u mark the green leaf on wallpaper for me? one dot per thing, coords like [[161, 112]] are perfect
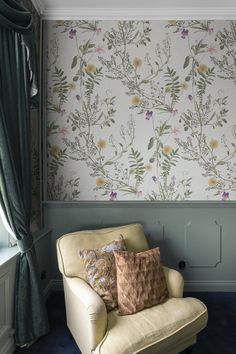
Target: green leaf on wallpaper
[[74, 61], [151, 143], [152, 159], [187, 61], [108, 163], [136, 163]]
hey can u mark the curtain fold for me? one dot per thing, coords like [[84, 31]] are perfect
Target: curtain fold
[[17, 84]]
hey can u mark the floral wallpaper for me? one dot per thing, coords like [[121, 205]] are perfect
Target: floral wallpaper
[[141, 110]]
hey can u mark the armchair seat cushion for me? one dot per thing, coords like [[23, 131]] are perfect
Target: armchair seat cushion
[[156, 329]]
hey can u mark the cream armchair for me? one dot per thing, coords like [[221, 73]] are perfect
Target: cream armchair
[[168, 328]]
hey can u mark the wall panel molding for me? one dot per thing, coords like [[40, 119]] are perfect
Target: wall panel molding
[[210, 285], [68, 13], [187, 249], [140, 204], [190, 285], [7, 282]]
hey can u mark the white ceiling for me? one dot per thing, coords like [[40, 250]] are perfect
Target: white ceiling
[[104, 9]]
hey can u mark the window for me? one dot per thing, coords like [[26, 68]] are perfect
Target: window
[[5, 231]]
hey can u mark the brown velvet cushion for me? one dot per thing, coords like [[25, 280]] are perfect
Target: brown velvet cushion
[[100, 268], [140, 280]]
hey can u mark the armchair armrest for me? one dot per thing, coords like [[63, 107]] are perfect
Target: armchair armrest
[[175, 282], [86, 313]]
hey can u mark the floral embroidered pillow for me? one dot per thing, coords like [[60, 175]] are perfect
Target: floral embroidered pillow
[[100, 269]]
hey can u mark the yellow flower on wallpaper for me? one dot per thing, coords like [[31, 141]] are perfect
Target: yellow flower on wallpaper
[[214, 143], [100, 182], [184, 85], [136, 100], [148, 167], [137, 62], [54, 149], [167, 150], [72, 85], [90, 68], [172, 22], [202, 68], [212, 182], [60, 22], [101, 144]]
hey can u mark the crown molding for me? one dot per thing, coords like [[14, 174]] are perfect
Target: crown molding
[[138, 13], [39, 6]]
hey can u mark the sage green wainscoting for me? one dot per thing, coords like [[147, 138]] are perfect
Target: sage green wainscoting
[[202, 234]]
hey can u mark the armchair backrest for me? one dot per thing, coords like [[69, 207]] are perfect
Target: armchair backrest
[[69, 245]]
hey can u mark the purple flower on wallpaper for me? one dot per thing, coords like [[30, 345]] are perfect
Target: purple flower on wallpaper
[[72, 33], [190, 97], [154, 178], [210, 30], [113, 196], [184, 33], [225, 196], [62, 112], [77, 97], [149, 115]]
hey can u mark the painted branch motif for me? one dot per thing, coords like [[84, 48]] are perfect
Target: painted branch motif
[[141, 110]]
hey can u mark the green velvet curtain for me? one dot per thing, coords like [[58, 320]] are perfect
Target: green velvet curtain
[[17, 86]]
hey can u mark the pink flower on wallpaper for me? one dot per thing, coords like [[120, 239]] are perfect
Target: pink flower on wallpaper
[[63, 131], [210, 30], [176, 131], [99, 50], [98, 30], [138, 194], [174, 112], [212, 49]]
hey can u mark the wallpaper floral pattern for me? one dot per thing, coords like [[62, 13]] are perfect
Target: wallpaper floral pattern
[[141, 110]]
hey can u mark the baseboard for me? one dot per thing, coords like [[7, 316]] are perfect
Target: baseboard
[[210, 285], [8, 347], [52, 286]]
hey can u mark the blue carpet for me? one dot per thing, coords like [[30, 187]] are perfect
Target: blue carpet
[[218, 338]]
